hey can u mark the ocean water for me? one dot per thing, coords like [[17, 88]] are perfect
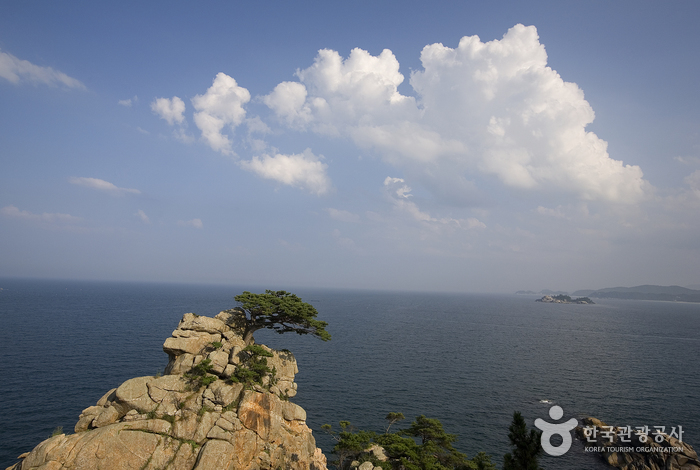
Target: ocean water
[[468, 360]]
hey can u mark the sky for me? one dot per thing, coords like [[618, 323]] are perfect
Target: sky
[[444, 146]]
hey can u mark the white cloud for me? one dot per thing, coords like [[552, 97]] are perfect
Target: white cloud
[[129, 102], [343, 216], [491, 108], [334, 93], [182, 135], [142, 215], [304, 170], [219, 107], [687, 160], [172, 110], [16, 70], [51, 218], [399, 193], [196, 223], [693, 180], [101, 185], [345, 242], [557, 213]]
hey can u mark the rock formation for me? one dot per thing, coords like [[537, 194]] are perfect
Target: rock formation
[[638, 451], [200, 415]]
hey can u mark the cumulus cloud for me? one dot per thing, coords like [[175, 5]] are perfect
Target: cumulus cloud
[[489, 108], [50, 218], [196, 223], [101, 185], [219, 108], [16, 70], [304, 170], [172, 110]]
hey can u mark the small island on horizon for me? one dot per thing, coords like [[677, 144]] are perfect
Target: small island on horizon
[[564, 299], [645, 292]]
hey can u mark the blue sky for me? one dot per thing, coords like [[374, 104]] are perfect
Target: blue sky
[[457, 146]]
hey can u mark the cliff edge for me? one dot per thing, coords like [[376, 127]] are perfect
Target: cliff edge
[[219, 406]]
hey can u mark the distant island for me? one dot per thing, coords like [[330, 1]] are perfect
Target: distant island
[[645, 292], [564, 299]]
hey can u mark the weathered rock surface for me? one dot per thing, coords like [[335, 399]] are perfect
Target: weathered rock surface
[[176, 422], [640, 452]]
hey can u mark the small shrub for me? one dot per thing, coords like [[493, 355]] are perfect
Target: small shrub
[[199, 376], [207, 380], [217, 344], [57, 432], [151, 414]]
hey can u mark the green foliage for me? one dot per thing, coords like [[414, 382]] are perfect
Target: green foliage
[[562, 297], [199, 376], [482, 461], [57, 432], [433, 452], [204, 409], [526, 446], [192, 443], [348, 442], [207, 380], [279, 311], [203, 368], [151, 414], [169, 418], [253, 366], [393, 418], [217, 344], [257, 350]]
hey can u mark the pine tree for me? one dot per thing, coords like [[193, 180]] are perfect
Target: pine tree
[[526, 446]]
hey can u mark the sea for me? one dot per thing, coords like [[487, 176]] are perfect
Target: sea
[[470, 360]]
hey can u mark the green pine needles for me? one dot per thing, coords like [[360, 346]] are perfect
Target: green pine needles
[[526, 446], [253, 367], [424, 445], [279, 311]]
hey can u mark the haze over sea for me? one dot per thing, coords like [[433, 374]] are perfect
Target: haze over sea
[[469, 360]]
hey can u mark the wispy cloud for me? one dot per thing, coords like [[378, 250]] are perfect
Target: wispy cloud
[[50, 218], [129, 102], [196, 223], [142, 215], [17, 70], [101, 185], [399, 192], [343, 216]]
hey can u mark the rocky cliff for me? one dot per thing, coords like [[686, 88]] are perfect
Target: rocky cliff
[[219, 406]]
